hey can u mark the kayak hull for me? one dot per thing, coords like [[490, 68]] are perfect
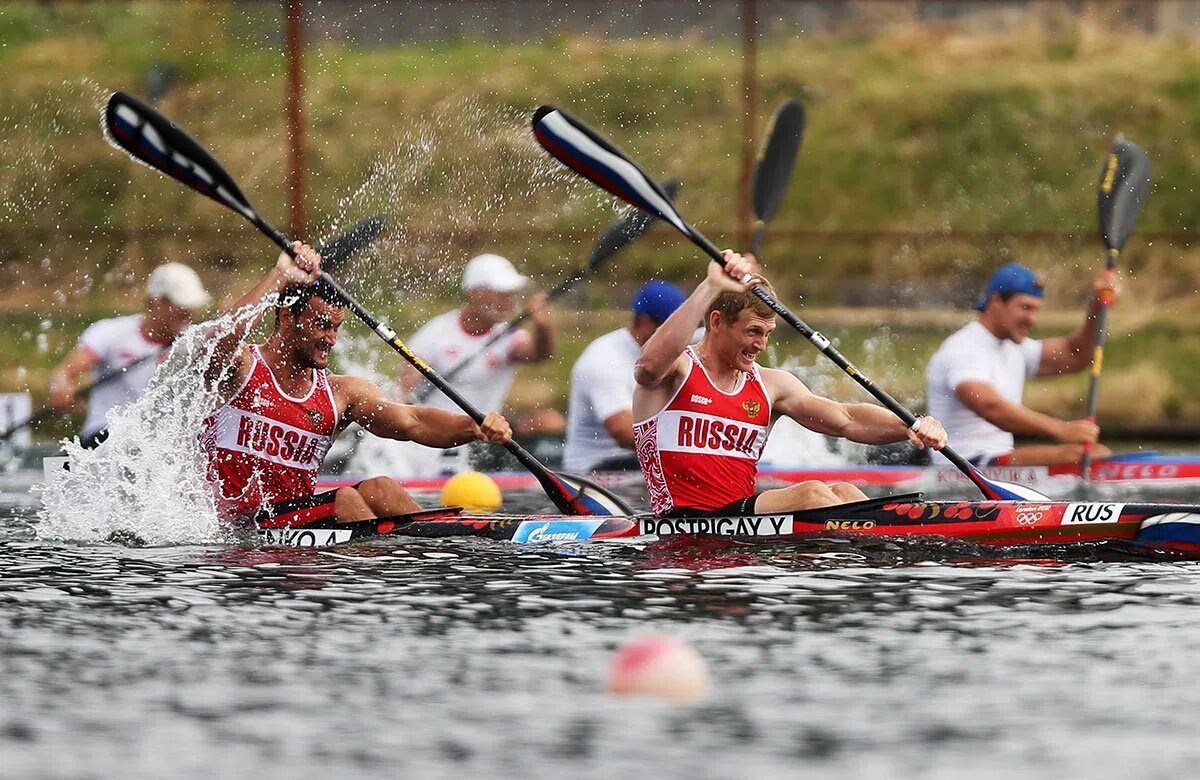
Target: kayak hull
[[998, 523]]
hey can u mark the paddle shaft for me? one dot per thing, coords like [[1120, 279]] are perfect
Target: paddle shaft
[[826, 348], [1098, 359], [385, 332], [103, 379]]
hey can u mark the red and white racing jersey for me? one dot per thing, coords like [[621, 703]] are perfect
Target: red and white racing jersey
[[701, 451], [265, 446]]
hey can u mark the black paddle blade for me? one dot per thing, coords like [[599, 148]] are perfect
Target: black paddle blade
[[1124, 183], [621, 233], [586, 152], [149, 137], [774, 167], [337, 251]]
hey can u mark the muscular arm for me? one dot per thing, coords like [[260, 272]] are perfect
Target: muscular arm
[[229, 350], [863, 423], [662, 355], [1073, 353], [982, 399], [620, 427], [364, 403], [64, 380]]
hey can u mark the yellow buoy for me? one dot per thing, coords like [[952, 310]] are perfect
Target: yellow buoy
[[474, 491]]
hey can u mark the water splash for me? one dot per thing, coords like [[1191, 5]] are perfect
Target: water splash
[[149, 476]]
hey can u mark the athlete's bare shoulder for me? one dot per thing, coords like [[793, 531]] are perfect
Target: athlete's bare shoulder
[[781, 384]]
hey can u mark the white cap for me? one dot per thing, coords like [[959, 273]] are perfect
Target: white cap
[[179, 285], [493, 272]]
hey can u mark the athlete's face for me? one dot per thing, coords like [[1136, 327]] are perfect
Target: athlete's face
[[166, 320], [314, 332], [741, 341], [1015, 317], [491, 306]]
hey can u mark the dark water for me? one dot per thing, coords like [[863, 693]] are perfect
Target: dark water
[[452, 658]]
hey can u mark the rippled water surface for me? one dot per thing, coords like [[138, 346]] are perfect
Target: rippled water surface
[[414, 658]]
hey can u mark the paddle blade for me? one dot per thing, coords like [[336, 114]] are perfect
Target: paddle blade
[[149, 137], [1124, 183], [774, 167], [995, 490], [579, 496], [584, 151], [336, 252], [621, 233]]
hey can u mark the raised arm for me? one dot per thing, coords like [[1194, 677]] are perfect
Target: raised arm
[[662, 354], [229, 352], [364, 403], [859, 422], [1074, 353], [543, 342]]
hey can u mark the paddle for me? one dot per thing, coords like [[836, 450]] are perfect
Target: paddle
[[1121, 193], [615, 237], [143, 133], [774, 166], [591, 156]]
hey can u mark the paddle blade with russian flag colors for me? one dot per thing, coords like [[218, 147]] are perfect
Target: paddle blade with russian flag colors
[[150, 138], [586, 152], [995, 490], [587, 498], [1124, 183]]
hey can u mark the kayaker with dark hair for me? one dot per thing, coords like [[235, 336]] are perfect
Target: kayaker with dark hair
[[281, 410], [702, 414], [976, 379]]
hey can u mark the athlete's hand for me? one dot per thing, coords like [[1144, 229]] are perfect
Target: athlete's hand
[[62, 396], [495, 429], [304, 268], [1107, 287], [740, 272], [1078, 432], [539, 310], [928, 433]]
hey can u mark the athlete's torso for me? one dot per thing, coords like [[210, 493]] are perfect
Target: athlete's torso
[[265, 446], [701, 450]]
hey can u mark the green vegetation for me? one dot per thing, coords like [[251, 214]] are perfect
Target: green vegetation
[[964, 144]]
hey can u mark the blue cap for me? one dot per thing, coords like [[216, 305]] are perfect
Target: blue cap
[[1011, 278], [658, 300]]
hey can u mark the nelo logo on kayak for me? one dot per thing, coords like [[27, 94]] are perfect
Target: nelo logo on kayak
[[849, 525], [1088, 513], [751, 525]]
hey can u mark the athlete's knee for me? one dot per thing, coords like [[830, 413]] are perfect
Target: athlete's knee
[[814, 491], [847, 492]]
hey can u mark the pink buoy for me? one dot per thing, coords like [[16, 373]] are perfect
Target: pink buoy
[[659, 666]]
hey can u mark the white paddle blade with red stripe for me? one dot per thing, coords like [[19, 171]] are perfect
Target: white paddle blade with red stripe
[[584, 151]]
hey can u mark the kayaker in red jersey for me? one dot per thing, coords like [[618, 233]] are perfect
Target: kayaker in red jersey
[[281, 410], [702, 413]]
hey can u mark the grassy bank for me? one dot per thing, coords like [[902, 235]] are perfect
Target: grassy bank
[[961, 143]]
